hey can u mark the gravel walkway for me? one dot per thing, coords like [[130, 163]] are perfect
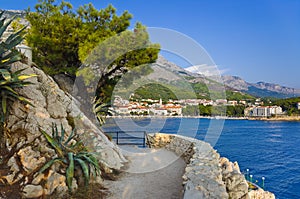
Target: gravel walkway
[[151, 174]]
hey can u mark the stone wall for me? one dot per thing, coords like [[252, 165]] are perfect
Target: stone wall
[[203, 176], [206, 174]]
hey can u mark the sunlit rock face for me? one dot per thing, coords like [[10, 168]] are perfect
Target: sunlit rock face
[[206, 174], [27, 149]]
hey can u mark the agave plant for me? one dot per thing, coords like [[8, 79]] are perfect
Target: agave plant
[[9, 80], [101, 110], [71, 155]]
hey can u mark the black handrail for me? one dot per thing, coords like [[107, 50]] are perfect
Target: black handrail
[[128, 137]]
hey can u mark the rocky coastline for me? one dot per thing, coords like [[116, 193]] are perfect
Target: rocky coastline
[[207, 175], [281, 118]]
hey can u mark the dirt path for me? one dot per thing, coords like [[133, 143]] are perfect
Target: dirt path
[[152, 174]]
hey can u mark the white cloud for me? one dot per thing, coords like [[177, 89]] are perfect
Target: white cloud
[[206, 70]]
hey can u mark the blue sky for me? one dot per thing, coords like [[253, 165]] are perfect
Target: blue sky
[[258, 40]]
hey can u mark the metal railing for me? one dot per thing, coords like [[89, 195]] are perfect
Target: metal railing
[[253, 183], [137, 138]]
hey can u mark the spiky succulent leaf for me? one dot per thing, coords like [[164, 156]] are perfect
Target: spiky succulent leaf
[[71, 136], [61, 138], [70, 171], [85, 170], [9, 55], [16, 35], [50, 163], [91, 159], [85, 160], [77, 144], [5, 25], [5, 74], [4, 104], [23, 77], [53, 143], [56, 132]]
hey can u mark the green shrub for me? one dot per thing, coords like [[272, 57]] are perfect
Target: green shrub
[[101, 110], [71, 155]]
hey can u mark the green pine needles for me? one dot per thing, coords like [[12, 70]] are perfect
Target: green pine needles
[[71, 156]]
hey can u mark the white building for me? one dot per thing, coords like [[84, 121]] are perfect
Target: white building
[[160, 111], [122, 110], [221, 101], [298, 105], [232, 103], [141, 110], [242, 102], [275, 110], [174, 110], [263, 111]]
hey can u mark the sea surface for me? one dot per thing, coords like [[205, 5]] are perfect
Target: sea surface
[[268, 149]]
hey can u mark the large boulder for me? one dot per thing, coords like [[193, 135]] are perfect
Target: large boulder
[[28, 149], [261, 194], [236, 184]]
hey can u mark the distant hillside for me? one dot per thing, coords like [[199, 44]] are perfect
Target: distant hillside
[[234, 85], [289, 105], [200, 82], [174, 80], [260, 89]]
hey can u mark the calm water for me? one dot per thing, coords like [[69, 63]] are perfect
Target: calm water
[[269, 149]]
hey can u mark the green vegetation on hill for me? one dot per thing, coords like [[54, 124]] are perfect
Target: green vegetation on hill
[[203, 92], [163, 91], [231, 111], [288, 105], [175, 91], [237, 95], [154, 91]]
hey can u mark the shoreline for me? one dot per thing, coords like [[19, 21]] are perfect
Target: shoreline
[[285, 118], [206, 168]]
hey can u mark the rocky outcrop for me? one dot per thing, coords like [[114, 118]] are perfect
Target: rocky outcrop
[[261, 89], [28, 150], [206, 174], [236, 184], [261, 194], [235, 82], [66, 83]]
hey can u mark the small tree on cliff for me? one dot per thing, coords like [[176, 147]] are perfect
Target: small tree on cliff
[[62, 38]]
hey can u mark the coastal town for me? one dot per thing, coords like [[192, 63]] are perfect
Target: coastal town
[[154, 107]]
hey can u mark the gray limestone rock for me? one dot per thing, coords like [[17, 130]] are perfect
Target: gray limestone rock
[[30, 160], [235, 182], [51, 105], [33, 191]]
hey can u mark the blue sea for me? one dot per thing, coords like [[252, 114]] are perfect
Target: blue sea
[[268, 149]]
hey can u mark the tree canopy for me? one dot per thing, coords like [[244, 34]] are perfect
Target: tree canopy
[[62, 38]]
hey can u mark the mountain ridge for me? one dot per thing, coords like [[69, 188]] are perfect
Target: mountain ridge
[[259, 89]]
